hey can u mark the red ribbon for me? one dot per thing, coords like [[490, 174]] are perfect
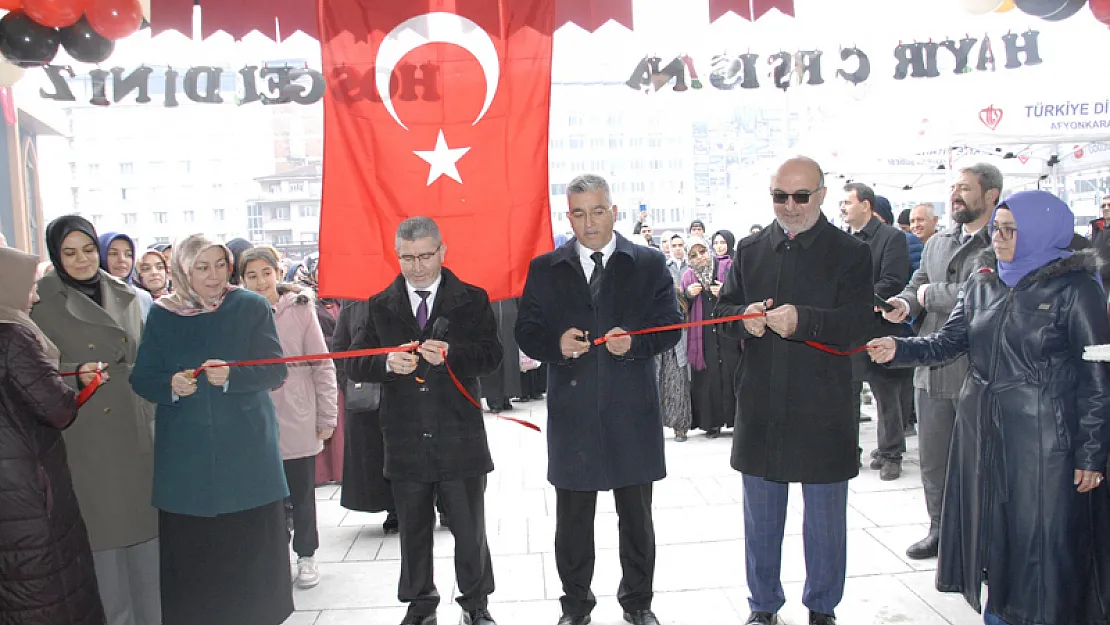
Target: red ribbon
[[708, 322], [89, 389]]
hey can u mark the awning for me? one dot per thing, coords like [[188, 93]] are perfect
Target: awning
[[239, 17]]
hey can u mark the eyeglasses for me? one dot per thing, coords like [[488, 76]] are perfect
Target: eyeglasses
[[1004, 232], [800, 197], [410, 259]]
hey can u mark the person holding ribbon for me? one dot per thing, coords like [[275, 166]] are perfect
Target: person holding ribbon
[[95, 318], [804, 281], [220, 485], [604, 428], [1025, 509], [46, 572], [435, 436]]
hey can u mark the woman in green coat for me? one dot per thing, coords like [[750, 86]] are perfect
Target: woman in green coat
[[219, 484]]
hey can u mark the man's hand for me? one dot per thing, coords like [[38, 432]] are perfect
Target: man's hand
[[900, 312], [1086, 481], [882, 350], [431, 351], [325, 433], [694, 290], [216, 371], [183, 383], [402, 363], [756, 327], [573, 343], [87, 372], [921, 294], [715, 289], [618, 346], [783, 320]]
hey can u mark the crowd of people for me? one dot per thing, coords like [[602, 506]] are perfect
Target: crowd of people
[[149, 504]]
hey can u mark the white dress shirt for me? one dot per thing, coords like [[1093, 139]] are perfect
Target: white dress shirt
[[584, 254], [414, 299]]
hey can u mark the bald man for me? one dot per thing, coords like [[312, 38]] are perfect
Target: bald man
[[796, 418]]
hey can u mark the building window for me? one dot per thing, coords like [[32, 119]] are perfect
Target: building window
[[94, 168], [296, 187], [281, 212], [75, 193], [187, 167], [160, 240], [123, 194], [273, 187], [130, 219], [254, 222], [310, 211], [616, 142], [95, 219], [161, 218], [597, 143], [577, 143], [189, 216], [126, 168], [558, 189], [312, 237], [219, 214]]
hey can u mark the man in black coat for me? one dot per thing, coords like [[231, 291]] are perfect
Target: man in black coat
[[1100, 239], [796, 417], [890, 269], [435, 439], [604, 429]]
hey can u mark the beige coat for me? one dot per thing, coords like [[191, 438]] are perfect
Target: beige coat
[[110, 446]]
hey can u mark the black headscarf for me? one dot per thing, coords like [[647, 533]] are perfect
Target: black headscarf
[[237, 247], [56, 232], [731, 238]]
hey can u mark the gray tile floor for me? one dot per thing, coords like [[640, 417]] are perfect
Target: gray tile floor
[[699, 528]]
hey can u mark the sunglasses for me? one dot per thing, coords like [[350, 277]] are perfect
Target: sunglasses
[[800, 197]]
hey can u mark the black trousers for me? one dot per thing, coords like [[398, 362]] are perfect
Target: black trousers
[[300, 473], [574, 548], [464, 501], [888, 388]]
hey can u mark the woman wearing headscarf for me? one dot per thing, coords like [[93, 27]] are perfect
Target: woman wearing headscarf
[[673, 373], [153, 273], [724, 246], [220, 485], [1025, 507], [46, 571], [305, 404], [92, 317], [713, 357], [117, 257], [329, 462], [237, 247]]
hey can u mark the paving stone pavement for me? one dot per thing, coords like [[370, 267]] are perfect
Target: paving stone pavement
[[699, 577]]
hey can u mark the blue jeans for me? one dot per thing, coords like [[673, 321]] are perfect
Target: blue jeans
[[990, 618]]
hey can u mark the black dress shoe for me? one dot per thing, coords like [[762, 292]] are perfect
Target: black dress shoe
[[641, 617], [419, 620], [522, 400], [763, 618], [713, 432], [925, 548], [567, 619], [816, 618], [477, 617], [890, 470], [392, 525]]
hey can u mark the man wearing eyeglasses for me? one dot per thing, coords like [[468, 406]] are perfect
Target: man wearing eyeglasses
[[1100, 238], [435, 439], [796, 417], [948, 259]]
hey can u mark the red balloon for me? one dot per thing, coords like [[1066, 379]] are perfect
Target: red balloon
[[1101, 9], [54, 13], [114, 19], [11, 5]]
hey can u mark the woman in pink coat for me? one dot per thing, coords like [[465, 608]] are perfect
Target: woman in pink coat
[[306, 403]]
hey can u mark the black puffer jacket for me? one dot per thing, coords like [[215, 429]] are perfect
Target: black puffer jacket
[[1031, 412], [46, 566]]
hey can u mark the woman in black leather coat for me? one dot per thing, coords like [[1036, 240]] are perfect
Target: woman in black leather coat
[[1024, 505]]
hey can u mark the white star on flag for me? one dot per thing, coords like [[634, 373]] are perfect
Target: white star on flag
[[443, 160]]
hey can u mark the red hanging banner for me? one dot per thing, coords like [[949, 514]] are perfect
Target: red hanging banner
[[439, 109]]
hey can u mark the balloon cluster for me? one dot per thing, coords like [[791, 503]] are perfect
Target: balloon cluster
[[1051, 10], [33, 30]]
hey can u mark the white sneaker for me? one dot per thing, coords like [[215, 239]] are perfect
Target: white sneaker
[[308, 576]]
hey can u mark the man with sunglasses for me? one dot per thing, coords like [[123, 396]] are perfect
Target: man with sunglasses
[[1100, 238], [796, 418], [435, 440], [947, 261]]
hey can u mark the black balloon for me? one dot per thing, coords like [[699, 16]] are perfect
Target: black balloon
[[26, 42], [1041, 8], [85, 44], [1068, 10]]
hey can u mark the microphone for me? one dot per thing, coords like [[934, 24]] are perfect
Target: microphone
[[439, 332]]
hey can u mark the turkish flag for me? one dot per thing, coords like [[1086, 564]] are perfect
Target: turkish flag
[[440, 109]]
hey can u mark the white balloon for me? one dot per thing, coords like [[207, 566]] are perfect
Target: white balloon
[[9, 74], [982, 7]]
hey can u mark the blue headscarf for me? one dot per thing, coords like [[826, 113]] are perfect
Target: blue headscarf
[[1045, 227], [106, 241]]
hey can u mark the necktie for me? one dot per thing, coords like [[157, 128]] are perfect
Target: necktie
[[595, 277], [964, 238], [422, 309]]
